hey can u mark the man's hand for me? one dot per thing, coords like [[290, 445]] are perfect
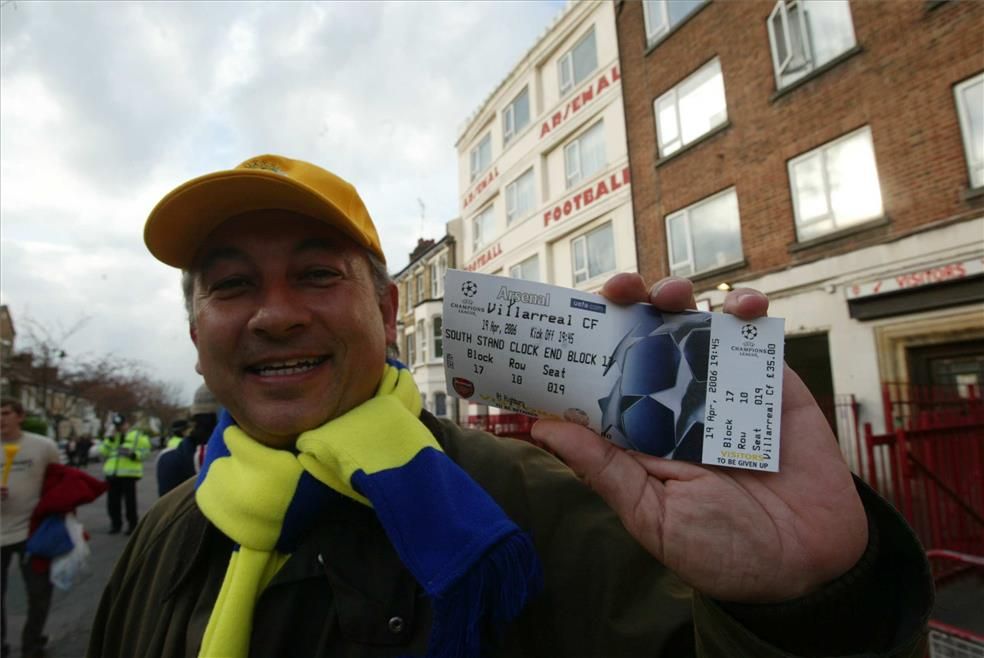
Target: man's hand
[[733, 534]]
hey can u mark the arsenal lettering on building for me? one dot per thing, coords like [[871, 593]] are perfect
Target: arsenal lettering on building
[[578, 101], [485, 257], [587, 196], [480, 187]]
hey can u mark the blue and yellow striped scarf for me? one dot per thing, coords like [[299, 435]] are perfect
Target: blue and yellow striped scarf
[[477, 566]]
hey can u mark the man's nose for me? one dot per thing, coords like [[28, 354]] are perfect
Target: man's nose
[[281, 312]]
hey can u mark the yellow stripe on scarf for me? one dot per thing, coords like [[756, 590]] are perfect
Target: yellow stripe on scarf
[[248, 574], [246, 498]]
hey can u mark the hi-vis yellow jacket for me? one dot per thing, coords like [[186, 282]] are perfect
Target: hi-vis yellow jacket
[[124, 455]]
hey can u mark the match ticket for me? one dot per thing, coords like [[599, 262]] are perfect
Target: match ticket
[[695, 386]]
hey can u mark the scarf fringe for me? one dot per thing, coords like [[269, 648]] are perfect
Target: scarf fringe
[[488, 596]]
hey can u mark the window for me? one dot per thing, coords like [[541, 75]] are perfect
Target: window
[[438, 337], [440, 404], [421, 295], [516, 116], [406, 296], [421, 341], [705, 235], [437, 271], [835, 185], [806, 34], [593, 253], [585, 156], [481, 156], [411, 349], [970, 108], [691, 109], [661, 16], [483, 227], [578, 62], [529, 269], [520, 196]]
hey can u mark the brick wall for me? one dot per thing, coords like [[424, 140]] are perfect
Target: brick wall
[[900, 83]]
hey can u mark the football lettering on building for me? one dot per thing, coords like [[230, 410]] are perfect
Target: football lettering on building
[[587, 196], [579, 101], [485, 258]]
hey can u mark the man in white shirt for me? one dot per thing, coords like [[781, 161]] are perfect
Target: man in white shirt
[[25, 458]]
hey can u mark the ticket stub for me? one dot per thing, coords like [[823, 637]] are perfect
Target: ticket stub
[[696, 386]]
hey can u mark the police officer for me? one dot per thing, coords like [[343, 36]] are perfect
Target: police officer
[[124, 452]]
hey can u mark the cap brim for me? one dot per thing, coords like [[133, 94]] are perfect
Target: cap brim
[[182, 220]]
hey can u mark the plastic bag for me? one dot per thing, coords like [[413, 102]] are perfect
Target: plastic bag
[[65, 569], [51, 538]]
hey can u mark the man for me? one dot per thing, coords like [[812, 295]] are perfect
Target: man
[[26, 457], [184, 459], [334, 517], [178, 429], [124, 453]]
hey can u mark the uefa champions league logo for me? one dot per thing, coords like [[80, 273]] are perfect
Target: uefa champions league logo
[[469, 289], [749, 332], [656, 404]]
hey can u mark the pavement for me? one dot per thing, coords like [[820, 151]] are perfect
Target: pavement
[[72, 612]]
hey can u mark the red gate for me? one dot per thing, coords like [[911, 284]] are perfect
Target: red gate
[[930, 462]]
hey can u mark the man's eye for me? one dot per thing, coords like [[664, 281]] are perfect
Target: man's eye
[[319, 275], [229, 284]]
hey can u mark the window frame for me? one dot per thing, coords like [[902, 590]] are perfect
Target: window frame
[[807, 47], [411, 348], [691, 261], [437, 336], [516, 270], [421, 333], [965, 136], [512, 197], [509, 127], [821, 152], [476, 234], [653, 38], [475, 156], [575, 145], [418, 279], [674, 93], [568, 59], [582, 240]]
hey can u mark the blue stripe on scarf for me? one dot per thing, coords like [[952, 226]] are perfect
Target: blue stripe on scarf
[[440, 540], [310, 497], [216, 447]]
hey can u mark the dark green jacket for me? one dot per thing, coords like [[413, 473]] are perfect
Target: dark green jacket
[[345, 593]]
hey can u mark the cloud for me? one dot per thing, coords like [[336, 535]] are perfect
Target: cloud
[[107, 106]]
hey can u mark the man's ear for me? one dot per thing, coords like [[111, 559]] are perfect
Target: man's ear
[[193, 332], [389, 302]]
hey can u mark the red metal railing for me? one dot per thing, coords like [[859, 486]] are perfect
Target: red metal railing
[[956, 627], [930, 463]]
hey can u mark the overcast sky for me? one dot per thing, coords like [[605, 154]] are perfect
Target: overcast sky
[[105, 107]]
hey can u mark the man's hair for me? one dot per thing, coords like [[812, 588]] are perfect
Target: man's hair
[[380, 280], [14, 404]]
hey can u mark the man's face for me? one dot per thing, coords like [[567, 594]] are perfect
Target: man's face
[[10, 423], [289, 329]]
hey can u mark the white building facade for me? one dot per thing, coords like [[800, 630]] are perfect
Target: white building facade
[[543, 165]]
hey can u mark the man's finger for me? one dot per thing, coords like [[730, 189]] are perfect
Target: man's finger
[[625, 288], [673, 294], [746, 303]]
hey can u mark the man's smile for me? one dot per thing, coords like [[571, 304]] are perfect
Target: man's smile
[[286, 367]]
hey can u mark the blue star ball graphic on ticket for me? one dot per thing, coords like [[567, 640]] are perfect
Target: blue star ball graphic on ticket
[[660, 411]]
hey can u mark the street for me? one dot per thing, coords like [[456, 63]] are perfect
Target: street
[[72, 612]]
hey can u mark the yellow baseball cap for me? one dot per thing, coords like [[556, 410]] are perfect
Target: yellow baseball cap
[[183, 219]]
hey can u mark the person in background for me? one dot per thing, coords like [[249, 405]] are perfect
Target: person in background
[[178, 429], [26, 457], [124, 452], [184, 459]]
